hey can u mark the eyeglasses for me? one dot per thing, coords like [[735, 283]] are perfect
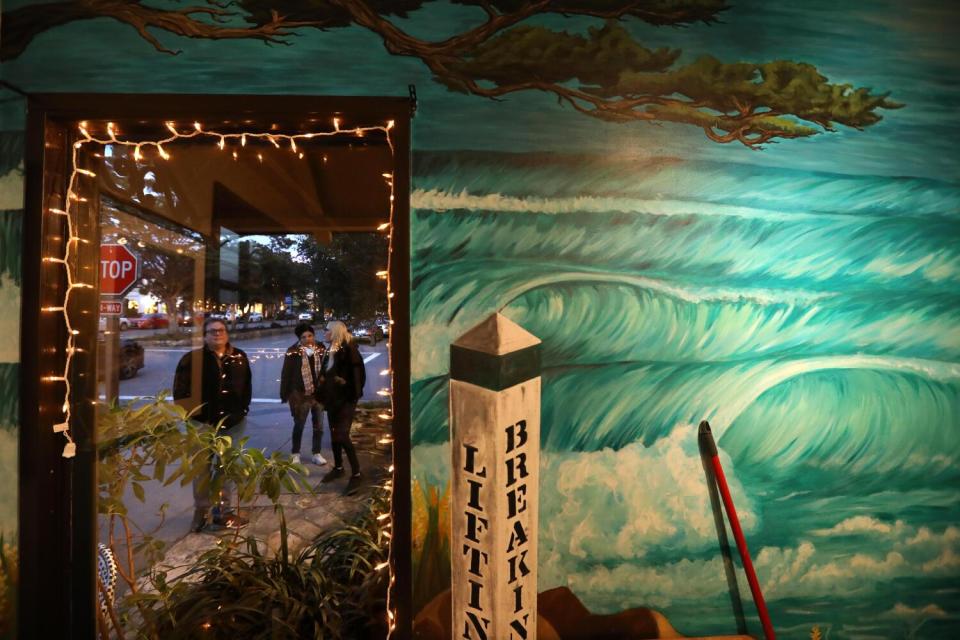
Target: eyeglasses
[[215, 331]]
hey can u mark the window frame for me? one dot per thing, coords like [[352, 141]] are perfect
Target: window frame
[[57, 496]]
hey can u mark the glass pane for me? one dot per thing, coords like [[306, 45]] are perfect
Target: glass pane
[[240, 350]]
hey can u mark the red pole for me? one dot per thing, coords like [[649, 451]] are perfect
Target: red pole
[[706, 440]]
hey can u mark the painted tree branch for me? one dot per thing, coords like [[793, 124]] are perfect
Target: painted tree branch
[[604, 74], [20, 26]]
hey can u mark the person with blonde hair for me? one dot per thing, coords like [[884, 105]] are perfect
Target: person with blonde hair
[[344, 376]]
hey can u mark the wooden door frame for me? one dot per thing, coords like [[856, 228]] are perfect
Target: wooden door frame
[[57, 496]]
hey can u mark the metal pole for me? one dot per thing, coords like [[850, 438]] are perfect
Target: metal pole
[[710, 447]]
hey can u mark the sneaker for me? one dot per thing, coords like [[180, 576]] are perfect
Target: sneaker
[[333, 474], [295, 458], [319, 460], [353, 484]]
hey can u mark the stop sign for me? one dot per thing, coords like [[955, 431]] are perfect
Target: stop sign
[[118, 269]]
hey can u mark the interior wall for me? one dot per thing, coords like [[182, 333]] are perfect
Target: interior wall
[[802, 296]]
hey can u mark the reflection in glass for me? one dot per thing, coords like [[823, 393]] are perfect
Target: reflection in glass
[[195, 445]]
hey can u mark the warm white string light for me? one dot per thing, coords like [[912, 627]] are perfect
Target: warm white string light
[[70, 447], [63, 427], [386, 518]]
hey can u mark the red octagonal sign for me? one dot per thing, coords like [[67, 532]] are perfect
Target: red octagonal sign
[[119, 268]]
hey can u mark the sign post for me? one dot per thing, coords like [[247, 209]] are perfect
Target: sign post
[[119, 272], [495, 447]]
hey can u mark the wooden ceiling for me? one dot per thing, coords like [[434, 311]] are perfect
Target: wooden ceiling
[[328, 184]]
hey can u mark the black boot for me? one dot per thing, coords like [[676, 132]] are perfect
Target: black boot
[[199, 520], [353, 485], [333, 474]]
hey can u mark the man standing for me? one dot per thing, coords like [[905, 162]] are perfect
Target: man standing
[[301, 384], [223, 393]]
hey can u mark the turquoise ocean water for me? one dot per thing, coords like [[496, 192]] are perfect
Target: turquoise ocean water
[[813, 318]]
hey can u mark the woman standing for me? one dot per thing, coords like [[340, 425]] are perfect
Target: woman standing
[[344, 377], [302, 385]]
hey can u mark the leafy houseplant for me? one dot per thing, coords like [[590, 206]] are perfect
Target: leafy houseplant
[[155, 440], [334, 588]]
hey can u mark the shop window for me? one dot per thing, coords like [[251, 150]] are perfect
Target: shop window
[[180, 266]]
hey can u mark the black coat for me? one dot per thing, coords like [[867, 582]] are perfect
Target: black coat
[[348, 366], [225, 387], [292, 380]]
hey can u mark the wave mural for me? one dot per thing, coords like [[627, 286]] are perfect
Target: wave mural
[[813, 318]]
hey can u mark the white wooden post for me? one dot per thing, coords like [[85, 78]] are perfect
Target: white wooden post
[[495, 446]]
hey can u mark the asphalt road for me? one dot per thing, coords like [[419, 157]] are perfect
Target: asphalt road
[[266, 359]]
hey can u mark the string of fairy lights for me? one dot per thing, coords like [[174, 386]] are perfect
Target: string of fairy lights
[[278, 140]]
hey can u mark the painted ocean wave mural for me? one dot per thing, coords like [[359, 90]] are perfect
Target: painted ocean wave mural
[[776, 189], [818, 329], [760, 411]]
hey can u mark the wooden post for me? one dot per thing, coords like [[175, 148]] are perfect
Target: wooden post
[[495, 447]]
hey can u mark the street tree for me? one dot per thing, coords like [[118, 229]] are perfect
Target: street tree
[[344, 273], [168, 276], [268, 274]]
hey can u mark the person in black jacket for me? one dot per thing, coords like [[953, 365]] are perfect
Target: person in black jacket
[[301, 385], [223, 394], [344, 377]]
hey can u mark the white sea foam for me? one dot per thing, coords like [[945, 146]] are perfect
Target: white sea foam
[[11, 189], [441, 200], [9, 319], [8, 482]]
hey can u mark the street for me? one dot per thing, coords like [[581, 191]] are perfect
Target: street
[[266, 359]]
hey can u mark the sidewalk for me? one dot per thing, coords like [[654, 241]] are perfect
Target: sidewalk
[[307, 515]]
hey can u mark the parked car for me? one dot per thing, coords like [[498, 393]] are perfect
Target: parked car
[[367, 331], [153, 321], [125, 323], [305, 316], [226, 316], [131, 322], [254, 317], [384, 324]]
